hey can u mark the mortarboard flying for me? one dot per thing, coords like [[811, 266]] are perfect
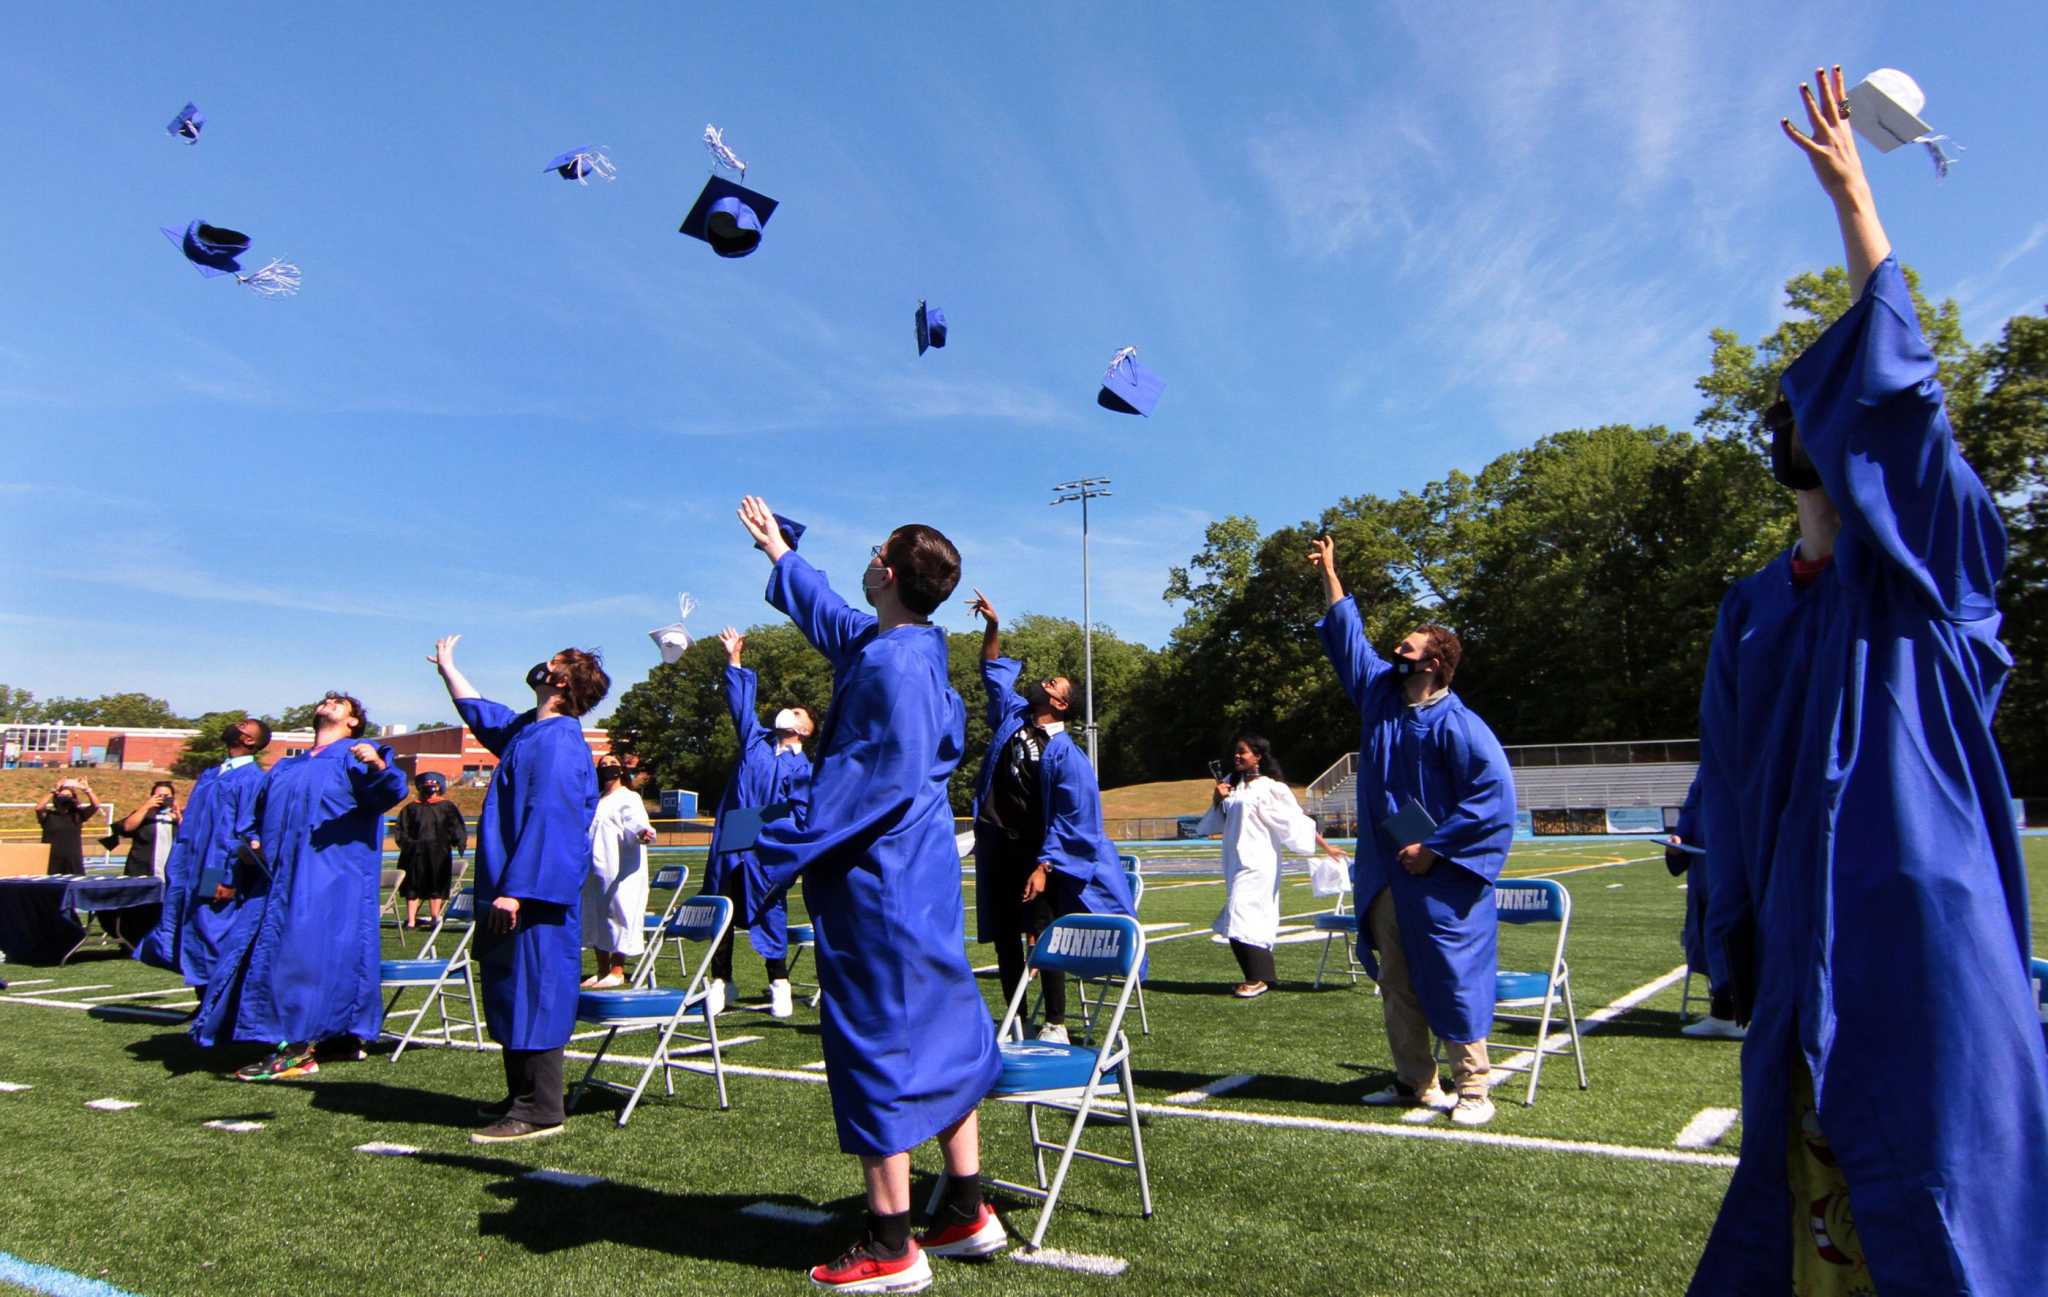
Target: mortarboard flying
[[1885, 109], [674, 640], [187, 124], [931, 327], [216, 250], [727, 216], [1128, 387], [586, 161]]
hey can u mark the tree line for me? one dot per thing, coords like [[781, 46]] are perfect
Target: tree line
[[1583, 574]]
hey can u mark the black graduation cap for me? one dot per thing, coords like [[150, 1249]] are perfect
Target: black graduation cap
[[1128, 387], [727, 216], [216, 250], [931, 327], [580, 162], [187, 124]]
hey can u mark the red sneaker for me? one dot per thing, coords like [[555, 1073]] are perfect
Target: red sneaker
[[982, 1236], [861, 1269]]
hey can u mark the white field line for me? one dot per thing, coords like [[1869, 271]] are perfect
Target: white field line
[[380, 1149], [138, 1010], [1221, 1085], [818, 1066], [1612, 886], [13, 1087], [74, 990], [1108, 1266], [1297, 938], [1151, 928], [112, 1105], [1592, 1022], [233, 1127], [1707, 1128], [983, 969], [1205, 930], [807, 1216], [34, 981], [567, 1179]]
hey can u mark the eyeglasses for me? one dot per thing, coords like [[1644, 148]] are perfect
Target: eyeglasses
[[875, 551]]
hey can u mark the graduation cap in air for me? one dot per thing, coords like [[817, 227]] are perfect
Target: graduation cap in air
[[187, 124], [674, 639], [586, 161], [727, 216], [1884, 107], [1128, 387], [216, 250], [931, 327], [792, 530]]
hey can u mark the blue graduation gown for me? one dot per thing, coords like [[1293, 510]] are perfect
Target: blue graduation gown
[[1445, 757], [765, 773], [1701, 955], [1007, 713], [1087, 876], [187, 939], [302, 951], [1860, 819], [909, 1045], [532, 843]]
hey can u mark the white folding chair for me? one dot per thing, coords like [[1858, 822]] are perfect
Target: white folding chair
[[388, 883], [1537, 900], [675, 878], [1340, 925], [703, 920], [1109, 950], [440, 977]]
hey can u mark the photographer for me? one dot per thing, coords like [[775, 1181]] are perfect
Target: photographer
[[62, 814], [150, 829]]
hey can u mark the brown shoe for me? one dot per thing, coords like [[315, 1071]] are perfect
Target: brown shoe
[[1250, 990], [508, 1130]]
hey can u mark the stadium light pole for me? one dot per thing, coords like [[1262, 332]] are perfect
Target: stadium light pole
[[1085, 489]]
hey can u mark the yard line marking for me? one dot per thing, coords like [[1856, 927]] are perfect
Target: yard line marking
[[1592, 1022], [1612, 886], [1421, 1116], [1203, 932], [112, 1105], [233, 1127], [1109, 1266], [986, 968], [1151, 928], [50, 1280], [379, 1148], [1221, 1085], [1296, 938], [808, 1216], [1707, 1128], [567, 1179], [818, 1066], [13, 1087], [138, 1010], [73, 990], [34, 981]]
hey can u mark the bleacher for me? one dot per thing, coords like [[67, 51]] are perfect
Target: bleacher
[[1545, 787], [1550, 776]]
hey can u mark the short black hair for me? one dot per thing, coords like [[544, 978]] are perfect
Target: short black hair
[[231, 733], [926, 564]]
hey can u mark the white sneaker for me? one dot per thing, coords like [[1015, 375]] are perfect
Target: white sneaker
[[1053, 1033], [714, 997], [1472, 1110], [1714, 1029], [780, 1003], [1393, 1096]]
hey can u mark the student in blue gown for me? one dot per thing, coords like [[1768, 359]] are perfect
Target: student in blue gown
[[187, 938], [1868, 888], [772, 770], [909, 1046], [1039, 848], [532, 853], [1426, 904], [299, 965], [1684, 857]]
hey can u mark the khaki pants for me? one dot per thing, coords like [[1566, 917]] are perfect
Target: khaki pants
[[1407, 1028]]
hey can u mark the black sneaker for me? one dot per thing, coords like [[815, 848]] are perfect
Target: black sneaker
[[284, 1065], [510, 1130], [340, 1049]]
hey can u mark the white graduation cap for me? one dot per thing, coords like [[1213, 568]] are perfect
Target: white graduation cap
[[674, 640], [1885, 110]]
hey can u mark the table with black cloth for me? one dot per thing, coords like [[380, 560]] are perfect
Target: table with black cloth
[[40, 918]]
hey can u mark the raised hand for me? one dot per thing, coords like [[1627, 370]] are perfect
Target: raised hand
[[1322, 553], [982, 608], [367, 754], [1831, 149], [735, 643], [443, 656], [759, 520]]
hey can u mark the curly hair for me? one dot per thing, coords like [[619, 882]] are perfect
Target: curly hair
[[588, 684], [1441, 643]]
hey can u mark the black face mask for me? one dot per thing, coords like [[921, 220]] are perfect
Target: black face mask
[[610, 774], [540, 677], [1406, 666], [1789, 464]]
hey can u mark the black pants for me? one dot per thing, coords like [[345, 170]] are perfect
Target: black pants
[[533, 1081], [734, 889], [1256, 961], [1017, 922]]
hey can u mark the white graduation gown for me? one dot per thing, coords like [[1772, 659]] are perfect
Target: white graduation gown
[[1260, 821], [615, 893]]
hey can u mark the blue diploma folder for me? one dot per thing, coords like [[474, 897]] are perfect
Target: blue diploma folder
[[1409, 824]]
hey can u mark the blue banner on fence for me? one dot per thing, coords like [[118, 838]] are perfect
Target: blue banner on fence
[[1635, 819], [1525, 824]]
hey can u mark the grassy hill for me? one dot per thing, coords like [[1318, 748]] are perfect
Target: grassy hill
[[1167, 797]]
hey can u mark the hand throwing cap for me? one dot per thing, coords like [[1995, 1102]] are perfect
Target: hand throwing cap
[[792, 530], [187, 124], [1128, 387], [1884, 107], [931, 327], [586, 161]]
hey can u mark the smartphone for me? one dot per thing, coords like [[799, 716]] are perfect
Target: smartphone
[[1216, 771]]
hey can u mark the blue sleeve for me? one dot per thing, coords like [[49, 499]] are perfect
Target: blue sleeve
[[739, 688], [999, 683], [1869, 410], [1357, 664], [833, 628], [1072, 803], [1720, 821], [377, 791], [494, 724], [1480, 826], [557, 799]]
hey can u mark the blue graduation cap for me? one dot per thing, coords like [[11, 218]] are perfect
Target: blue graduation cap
[[792, 530], [585, 161], [216, 250], [931, 327], [187, 124], [727, 216], [1128, 387]]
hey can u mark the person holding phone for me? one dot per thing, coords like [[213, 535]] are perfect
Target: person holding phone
[[62, 814], [1436, 816], [151, 829], [1255, 811]]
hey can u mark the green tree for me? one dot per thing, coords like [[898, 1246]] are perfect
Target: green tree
[[131, 710], [205, 748], [18, 705]]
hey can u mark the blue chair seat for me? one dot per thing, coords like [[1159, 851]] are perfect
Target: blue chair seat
[[603, 1007], [1519, 986], [1042, 1065], [412, 970], [1336, 923], [802, 933]]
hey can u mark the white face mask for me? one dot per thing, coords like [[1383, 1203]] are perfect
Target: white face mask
[[872, 581]]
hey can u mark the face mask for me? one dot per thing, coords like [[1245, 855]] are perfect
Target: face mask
[[540, 677], [871, 582], [1789, 464], [1407, 666], [610, 774]]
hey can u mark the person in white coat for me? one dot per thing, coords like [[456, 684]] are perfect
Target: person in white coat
[[615, 893], [1260, 821]]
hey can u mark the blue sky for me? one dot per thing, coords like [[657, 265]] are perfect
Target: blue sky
[[1362, 245]]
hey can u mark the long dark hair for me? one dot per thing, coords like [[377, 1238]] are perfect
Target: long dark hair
[[1261, 749]]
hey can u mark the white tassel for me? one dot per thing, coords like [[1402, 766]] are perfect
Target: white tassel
[[595, 163], [714, 139], [1128, 353], [685, 605], [278, 279]]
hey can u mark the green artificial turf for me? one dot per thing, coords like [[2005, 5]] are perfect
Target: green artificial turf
[[152, 1201]]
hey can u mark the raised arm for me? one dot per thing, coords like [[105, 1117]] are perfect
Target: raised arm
[[443, 658], [1831, 150], [991, 626], [1322, 554], [1357, 663]]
